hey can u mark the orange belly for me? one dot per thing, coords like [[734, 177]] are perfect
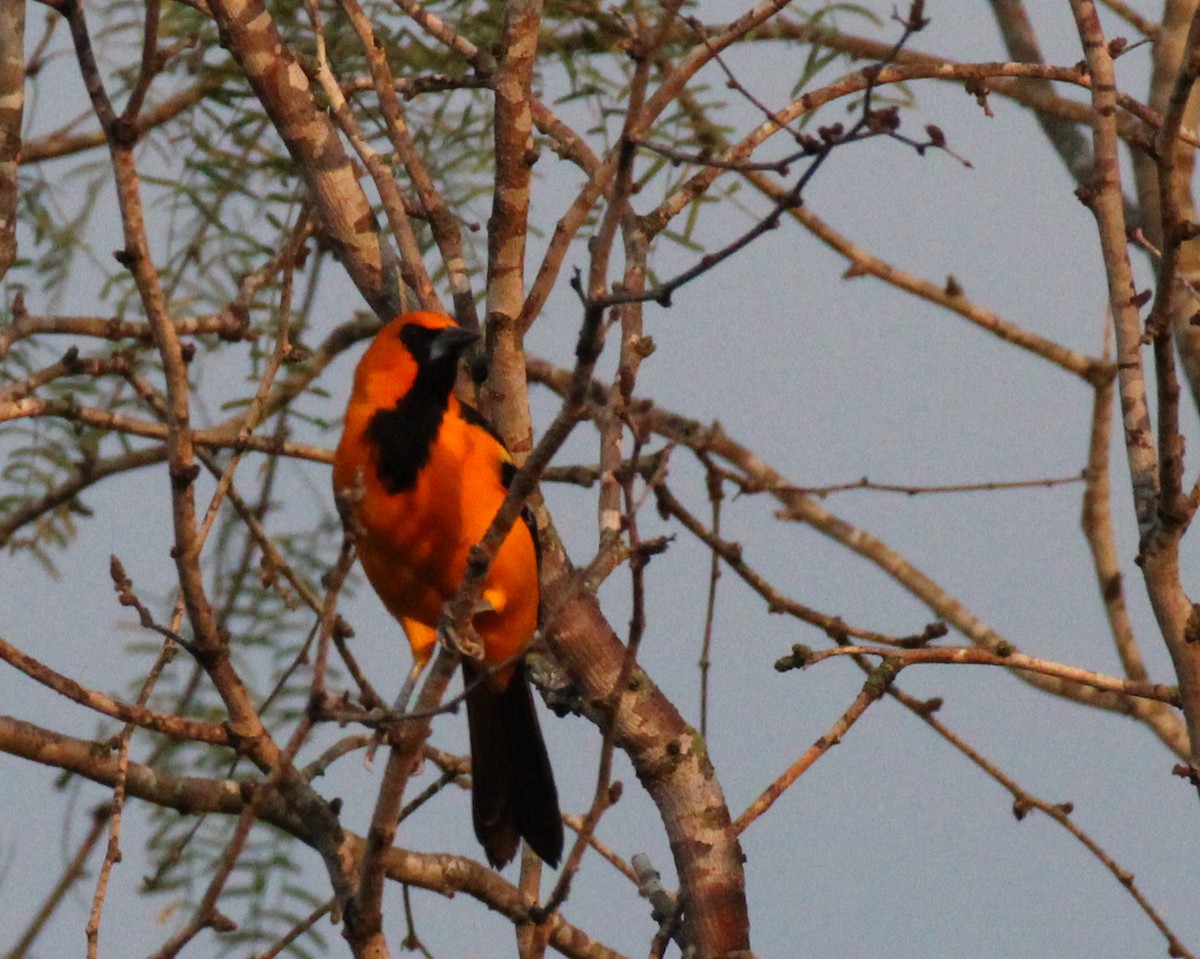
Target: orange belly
[[414, 544]]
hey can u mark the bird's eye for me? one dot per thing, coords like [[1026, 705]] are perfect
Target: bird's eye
[[416, 338]]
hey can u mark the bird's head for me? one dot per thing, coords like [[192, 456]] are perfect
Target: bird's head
[[428, 345]]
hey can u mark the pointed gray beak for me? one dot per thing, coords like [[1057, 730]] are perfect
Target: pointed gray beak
[[451, 342]]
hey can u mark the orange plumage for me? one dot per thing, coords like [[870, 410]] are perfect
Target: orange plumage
[[425, 477]]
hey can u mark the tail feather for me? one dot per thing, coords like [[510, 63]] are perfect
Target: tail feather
[[513, 792]]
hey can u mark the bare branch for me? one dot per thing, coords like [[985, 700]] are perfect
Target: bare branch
[[1024, 801], [12, 111], [800, 508], [1021, 41], [876, 685], [333, 186], [71, 875], [1159, 534], [984, 657], [176, 727]]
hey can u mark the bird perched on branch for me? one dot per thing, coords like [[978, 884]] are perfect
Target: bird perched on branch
[[421, 476]]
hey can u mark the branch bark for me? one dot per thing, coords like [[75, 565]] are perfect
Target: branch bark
[[12, 111], [251, 36], [1160, 532]]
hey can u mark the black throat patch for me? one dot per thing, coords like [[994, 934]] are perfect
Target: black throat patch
[[403, 435]]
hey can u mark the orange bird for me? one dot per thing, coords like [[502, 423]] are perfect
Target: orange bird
[[424, 476]]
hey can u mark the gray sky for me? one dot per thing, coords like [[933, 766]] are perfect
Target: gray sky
[[893, 844]]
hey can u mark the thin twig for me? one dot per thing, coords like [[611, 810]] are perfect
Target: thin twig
[[777, 602], [1024, 801], [716, 495], [876, 685], [177, 727], [1158, 692], [298, 930], [907, 490], [71, 875]]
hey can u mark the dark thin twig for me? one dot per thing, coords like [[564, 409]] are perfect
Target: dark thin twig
[[70, 876], [716, 496], [602, 797], [731, 553], [877, 683], [870, 123], [1024, 801], [298, 930], [411, 941], [867, 484]]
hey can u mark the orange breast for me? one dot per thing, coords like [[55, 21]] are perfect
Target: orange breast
[[413, 545]]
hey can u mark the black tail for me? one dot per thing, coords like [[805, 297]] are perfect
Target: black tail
[[513, 794]]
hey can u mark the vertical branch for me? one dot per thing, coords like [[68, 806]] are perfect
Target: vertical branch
[[716, 495], [610, 420], [1021, 41], [504, 394], [1175, 163], [646, 46], [364, 913], [12, 110], [150, 65], [1166, 53], [1174, 173], [1172, 48], [1172, 506], [611, 428], [71, 875], [181, 452], [1103, 197], [1096, 520], [1160, 530]]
